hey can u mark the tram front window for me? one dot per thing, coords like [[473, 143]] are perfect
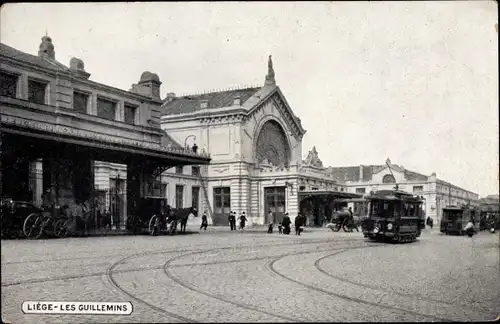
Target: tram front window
[[379, 208]]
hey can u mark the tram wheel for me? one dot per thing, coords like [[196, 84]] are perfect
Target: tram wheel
[[154, 225]]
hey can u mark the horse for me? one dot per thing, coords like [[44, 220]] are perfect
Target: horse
[[182, 214]]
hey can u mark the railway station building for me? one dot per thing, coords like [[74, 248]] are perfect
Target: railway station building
[[255, 144]]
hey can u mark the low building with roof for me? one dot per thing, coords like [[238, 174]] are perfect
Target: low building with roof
[[58, 126], [437, 193]]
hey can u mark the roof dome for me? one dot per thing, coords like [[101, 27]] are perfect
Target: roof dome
[[148, 76], [76, 64]]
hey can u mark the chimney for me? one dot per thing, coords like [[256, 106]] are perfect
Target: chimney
[[170, 97], [204, 104], [78, 68], [237, 100]]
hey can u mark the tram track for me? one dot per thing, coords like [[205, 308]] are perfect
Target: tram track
[[168, 265], [161, 251], [191, 287], [271, 267], [317, 265]]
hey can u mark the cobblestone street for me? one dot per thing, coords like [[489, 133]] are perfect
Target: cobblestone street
[[222, 276]]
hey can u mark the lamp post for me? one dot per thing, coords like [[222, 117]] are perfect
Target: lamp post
[[185, 141]]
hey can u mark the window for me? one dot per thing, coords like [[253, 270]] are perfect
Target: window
[[80, 101], [314, 188], [157, 189], [8, 85], [360, 190], [341, 189], [195, 170], [222, 199], [130, 114], [302, 188], [418, 188], [388, 178], [195, 197], [179, 196], [178, 169], [106, 109], [36, 91]]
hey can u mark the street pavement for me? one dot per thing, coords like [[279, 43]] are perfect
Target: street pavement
[[252, 276]]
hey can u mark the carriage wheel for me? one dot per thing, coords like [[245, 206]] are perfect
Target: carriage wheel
[[61, 228], [336, 227], [32, 227], [154, 225], [347, 226]]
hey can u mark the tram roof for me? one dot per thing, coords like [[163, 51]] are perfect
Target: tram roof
[[332, 194], [393, 195]]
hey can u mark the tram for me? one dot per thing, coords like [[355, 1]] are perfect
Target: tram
[[393, 215], [455, 218]]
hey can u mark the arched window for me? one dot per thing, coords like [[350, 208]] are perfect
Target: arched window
[[272, 145], [388, 178]]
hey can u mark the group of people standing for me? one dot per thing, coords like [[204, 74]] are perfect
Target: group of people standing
[[285, 224], [232, 220]]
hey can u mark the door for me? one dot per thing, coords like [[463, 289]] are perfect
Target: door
[[274, 201]]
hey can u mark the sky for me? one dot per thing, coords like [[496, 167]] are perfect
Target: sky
[[413, 81]]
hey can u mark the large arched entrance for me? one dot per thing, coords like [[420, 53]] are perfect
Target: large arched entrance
[[272, 148]]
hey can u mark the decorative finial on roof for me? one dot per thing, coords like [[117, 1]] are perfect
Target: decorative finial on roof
[[46, 48], [270, 73], [46, 32]]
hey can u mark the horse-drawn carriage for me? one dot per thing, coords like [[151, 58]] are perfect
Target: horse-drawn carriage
[[155, 216], [345, 220]]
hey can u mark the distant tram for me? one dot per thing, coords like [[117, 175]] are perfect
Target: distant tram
[[393, 215], [455, 218]]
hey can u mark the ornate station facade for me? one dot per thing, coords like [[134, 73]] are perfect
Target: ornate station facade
[[56, 125], [255, 142]]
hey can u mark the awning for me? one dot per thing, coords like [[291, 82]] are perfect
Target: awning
[[118, 150]]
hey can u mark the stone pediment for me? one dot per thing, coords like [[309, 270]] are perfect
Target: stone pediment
[[273, 95]]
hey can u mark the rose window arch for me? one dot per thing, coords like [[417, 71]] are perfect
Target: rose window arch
[[388, 178], [272, 145]]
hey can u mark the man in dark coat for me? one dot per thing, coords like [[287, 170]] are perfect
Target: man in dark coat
[[243, 220], [232, 221], [286, 222], [204, 221], [299, 222]]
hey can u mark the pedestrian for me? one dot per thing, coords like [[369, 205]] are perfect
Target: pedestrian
[[299, 221], [270, 228], [243, 220], [204, 221], [280, 228], [233, 221], [230, 220], [286, 222]]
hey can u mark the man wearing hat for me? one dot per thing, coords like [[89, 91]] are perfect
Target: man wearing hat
[[243, 220], [286, 222]]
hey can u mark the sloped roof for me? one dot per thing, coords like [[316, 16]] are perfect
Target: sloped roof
[[191, 103], [352, 173], [32, 59]]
